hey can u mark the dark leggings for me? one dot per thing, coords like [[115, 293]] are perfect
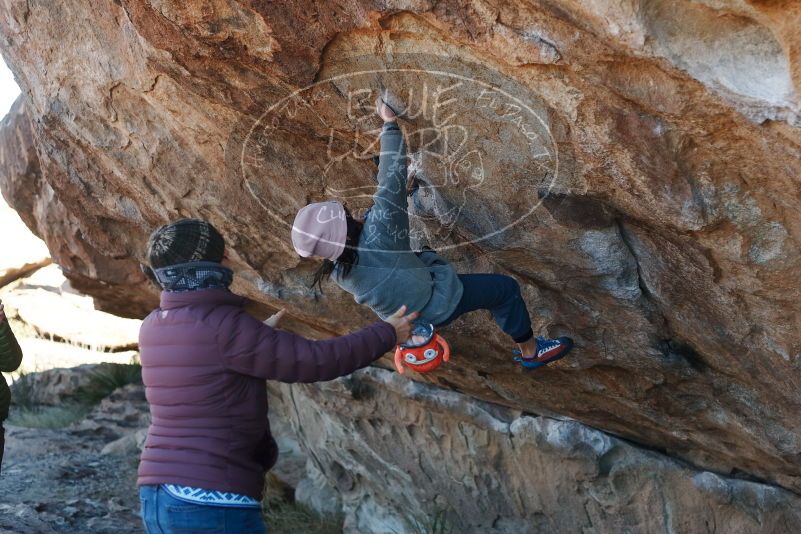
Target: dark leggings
[[500, 294]]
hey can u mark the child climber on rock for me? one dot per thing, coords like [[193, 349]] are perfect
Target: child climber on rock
[[372, 259]]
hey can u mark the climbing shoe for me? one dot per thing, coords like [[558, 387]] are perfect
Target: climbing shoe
[[548, 350]]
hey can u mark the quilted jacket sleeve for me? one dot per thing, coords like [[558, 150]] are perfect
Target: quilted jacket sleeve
[[252, 348]]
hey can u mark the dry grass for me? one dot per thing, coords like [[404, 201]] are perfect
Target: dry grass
[[285, 516], [48, 416], [436, 524]]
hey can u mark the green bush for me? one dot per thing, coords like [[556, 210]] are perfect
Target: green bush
[[107, 377]]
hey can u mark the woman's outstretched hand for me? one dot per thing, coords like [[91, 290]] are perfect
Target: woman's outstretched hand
[[384, 111], [402, 323]]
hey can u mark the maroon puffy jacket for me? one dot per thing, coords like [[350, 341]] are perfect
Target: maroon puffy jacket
[[204, 362]]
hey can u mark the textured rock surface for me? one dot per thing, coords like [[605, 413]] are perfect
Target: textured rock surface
[[392, 451], [61, 385], [111, 278], [50, 306], [635, 164], [43, 354], [53, 386], [123, 413], [58, 328]]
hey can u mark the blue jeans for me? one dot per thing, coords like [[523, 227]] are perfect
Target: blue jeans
[[500, 294], [164, 514]]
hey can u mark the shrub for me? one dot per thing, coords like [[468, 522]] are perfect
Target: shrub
[[107, 377], [104, 379]]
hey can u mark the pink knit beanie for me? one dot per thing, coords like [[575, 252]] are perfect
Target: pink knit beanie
[[320, 230]]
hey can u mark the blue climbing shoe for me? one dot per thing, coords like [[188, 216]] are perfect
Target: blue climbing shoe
[[548, 351]]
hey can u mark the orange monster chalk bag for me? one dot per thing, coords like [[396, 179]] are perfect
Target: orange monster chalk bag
[[424, 352]]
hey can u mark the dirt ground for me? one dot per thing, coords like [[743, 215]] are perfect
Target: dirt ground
[[78, 479]]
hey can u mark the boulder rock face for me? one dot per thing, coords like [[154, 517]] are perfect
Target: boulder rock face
[[58, 313], [393, 453], [112, 279], [634, 164]]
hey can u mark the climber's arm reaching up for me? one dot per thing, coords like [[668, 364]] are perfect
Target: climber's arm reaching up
[[388, 221]]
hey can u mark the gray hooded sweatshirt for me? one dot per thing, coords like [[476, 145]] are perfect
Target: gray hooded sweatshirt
[[388, 274]]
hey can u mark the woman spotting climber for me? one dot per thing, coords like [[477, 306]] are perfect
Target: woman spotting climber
[[372, 259], [204, 363]]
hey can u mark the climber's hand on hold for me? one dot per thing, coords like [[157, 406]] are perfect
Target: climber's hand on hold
[[384, 111], [275, 319], [402, 323]]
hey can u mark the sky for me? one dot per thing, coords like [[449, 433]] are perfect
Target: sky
[[8, 89]]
